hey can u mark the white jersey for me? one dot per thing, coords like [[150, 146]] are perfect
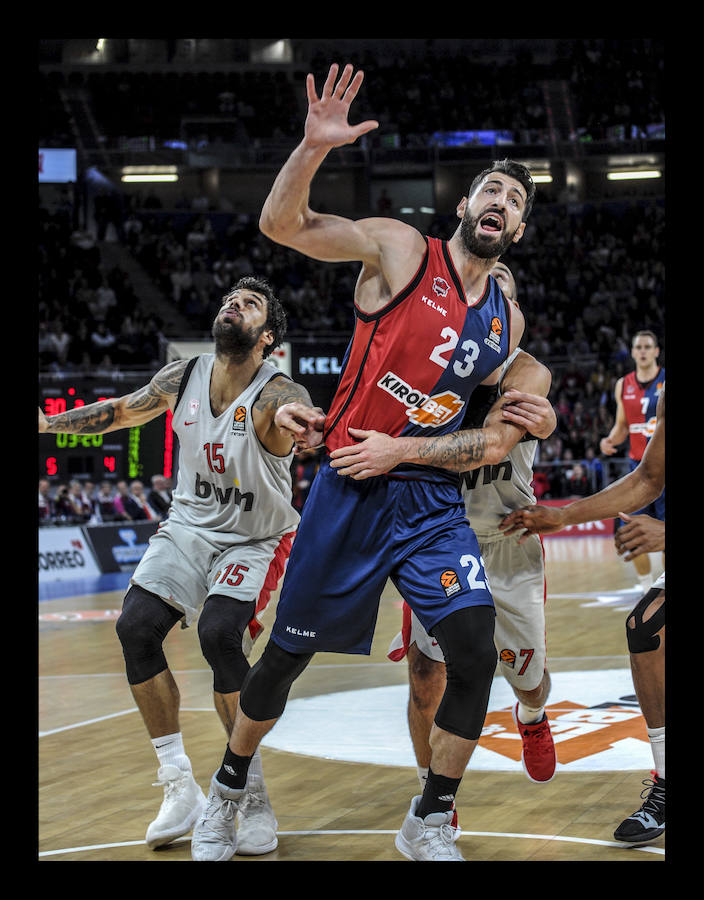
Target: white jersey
[[228, 482], [491, 492]]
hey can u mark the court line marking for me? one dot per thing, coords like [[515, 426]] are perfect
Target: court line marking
[[495, 834], [314, 666], [123, 712]]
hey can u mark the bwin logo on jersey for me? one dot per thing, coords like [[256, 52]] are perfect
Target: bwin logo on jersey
[[204, 489]]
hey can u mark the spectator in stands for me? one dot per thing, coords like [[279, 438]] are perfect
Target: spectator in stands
[[102, 341], [135, 503], [81, 509], [105, 502], [60, 341], [122, 491], [63, 508], [159, 497], [577, 481], [46, 504]]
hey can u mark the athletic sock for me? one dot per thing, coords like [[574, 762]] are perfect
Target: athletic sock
[[255, 765], [233, 771], [646, 582], [657, 744], [528, 715], [171, 752], [422, 776], [439, 794]]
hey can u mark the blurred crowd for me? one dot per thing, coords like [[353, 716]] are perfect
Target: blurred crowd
[[415, 92], [79, 502]]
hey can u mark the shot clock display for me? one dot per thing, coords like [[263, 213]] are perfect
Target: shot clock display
[[129, 453]]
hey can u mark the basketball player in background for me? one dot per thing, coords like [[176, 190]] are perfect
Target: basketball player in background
[[645, 624], [636, 396], [223, 548], [502, 424], [429, 327]]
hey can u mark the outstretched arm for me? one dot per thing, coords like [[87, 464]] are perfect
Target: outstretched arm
[[284, 416], [386, 247], [619, 431], [142, 405], [630, 493], [525, 403]]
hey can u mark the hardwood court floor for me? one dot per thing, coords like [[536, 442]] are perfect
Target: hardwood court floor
[[96, 764]]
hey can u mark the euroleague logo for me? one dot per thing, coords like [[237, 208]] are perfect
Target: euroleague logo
[[493, 339], [239, 420], [450, 582]]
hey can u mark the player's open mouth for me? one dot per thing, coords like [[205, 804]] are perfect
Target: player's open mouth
[[492, 222]]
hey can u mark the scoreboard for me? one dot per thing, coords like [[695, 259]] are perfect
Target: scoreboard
[[127, 454]]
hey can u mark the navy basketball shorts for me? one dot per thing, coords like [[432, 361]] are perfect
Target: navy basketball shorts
[[656, 509], [352, 537]]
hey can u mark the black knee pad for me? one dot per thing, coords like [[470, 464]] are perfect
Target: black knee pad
[[266, 687], [466, 638], [144, 622], [643, 636], [220, 629]]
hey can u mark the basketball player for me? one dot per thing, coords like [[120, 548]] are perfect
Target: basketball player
[[636, 397], [495, 478], [430, 326], [645, 624], [223, 548]]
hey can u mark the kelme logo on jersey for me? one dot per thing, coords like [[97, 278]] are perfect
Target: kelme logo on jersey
[[239, 420], [428, 412], [493, 339]]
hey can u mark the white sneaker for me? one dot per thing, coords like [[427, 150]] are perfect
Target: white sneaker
[[214, 836], [431, 839], [256, 823], [183, 803]]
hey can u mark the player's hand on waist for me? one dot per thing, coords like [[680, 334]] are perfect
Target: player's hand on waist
[[374, 454]]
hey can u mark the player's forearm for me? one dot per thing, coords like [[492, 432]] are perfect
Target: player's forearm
[[458, 452], [95, 418], [285, 209], [628, 494]]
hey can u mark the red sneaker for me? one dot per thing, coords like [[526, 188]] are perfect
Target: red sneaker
[[538, 756]]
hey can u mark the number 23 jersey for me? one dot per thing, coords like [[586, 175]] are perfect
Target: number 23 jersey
[[411, 367]]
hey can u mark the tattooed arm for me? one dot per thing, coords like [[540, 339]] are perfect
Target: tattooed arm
[[523, 406], [142, 405], [284, 415]]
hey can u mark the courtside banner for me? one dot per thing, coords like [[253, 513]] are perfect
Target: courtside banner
[[64, 553], [119, 547], [600, 526]]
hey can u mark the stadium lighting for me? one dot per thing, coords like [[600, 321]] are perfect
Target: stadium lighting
[[149, 173], [155, 177], [542, 178], [633, 174]]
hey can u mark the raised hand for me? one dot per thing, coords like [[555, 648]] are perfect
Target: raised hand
[[326, 122]]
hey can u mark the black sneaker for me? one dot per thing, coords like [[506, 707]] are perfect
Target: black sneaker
[[649, 821]]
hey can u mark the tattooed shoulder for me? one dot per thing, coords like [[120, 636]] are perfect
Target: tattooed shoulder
[[279, 391], [164, 385]]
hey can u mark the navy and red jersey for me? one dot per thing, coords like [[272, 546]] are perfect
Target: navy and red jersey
[[411, 367], [640, 402]]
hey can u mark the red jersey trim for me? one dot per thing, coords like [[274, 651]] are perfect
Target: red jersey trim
[[402, 294]]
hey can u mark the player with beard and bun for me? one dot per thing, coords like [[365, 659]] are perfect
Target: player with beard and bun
[[224, 546], [430, 325]]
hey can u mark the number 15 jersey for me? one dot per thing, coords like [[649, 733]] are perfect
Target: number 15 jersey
[[411, 367]]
